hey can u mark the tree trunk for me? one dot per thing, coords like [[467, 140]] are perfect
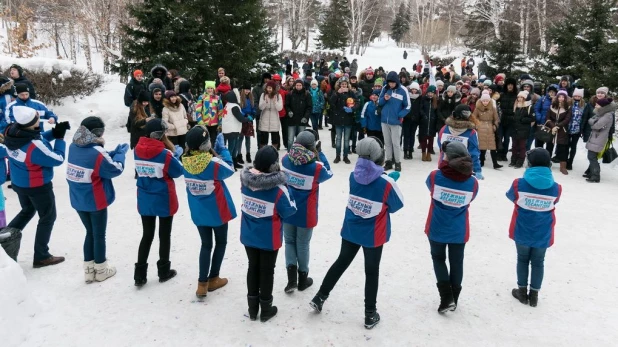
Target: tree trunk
[[307, 37], [88, 53]]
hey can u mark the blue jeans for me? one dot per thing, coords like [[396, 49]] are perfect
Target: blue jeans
[[297, 246], [294, 130], [94, 244], [455, 259], [345, 132], [315, 120], [232, 143], [534, 258], [247, 140], [530, 138], [217, 256]]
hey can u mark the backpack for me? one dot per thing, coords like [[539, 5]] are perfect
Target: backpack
[[191, 108]]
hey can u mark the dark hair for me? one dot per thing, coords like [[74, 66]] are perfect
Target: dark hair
[[555, 103]]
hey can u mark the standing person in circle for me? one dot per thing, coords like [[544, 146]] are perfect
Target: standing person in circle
[[448, 220], [210, 202], [157, 164], [395, 103], [175, 118], [373, 197], [558, 119]]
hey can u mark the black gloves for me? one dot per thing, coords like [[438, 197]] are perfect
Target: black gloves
[[60, 130]]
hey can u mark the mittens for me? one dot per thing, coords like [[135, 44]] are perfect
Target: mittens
[[347, 109], [394, 175], [290, 114], [219, 143], [250, 118], [479, 175], [177, 151], [304, 121], [60, 130], [122, 148]]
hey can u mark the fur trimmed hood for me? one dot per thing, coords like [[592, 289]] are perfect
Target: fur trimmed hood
[[606, 109], [6, 85], [458, 124], [453, 99], [256, 180]]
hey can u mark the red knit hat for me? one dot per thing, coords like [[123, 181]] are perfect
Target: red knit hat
[[138, 73], [276, 77], [368, 71], [498, 79]]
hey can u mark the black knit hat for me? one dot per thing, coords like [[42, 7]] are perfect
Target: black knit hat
[[266, 159], [538, 157], [198, 138], [21, 88], [266, 75], [155, 128], [246, 85], [307, 139], [94, 124], [143, 96], [462, 112]]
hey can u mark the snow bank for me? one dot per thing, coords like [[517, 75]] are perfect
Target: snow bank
[[17, 307], [37, 64]]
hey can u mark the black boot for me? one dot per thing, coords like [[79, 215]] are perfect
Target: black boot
[[586, 173], [494, 160], [254, 306], [304, 281], [268, 310], [337, 159], [318, 301], [346, 159], [534, 297], [165, 271], [398, 167], [249, 158], [141, 274], [594, 176], [237, 165], [372, 318], [292, 280], [519, 164], [456, 292], [388, 165], [239, 159], [447, 303], [570, 164], [521, 294]]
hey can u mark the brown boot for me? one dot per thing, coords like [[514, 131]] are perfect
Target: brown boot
[[202, 289], [424, 158], [216, 283], [428, 156], [563, 168], [47, 262]]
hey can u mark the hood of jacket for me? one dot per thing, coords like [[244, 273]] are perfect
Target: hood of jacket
[[453, 99], [167, 103], [458, 126], [184, 86], [540, 177], [84, 137], [158, 71], [6, 86], [512, 81], [367, 171], [256, 180], [149, 148], [459, 169], [195, 162], [393, 77], [300, 155], [16, 137]]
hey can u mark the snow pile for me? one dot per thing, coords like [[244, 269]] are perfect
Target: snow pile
[[17, 307], [47, 65]]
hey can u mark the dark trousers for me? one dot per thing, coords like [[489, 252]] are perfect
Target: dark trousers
[[284, 130], [213, 131], [549, 146], [260, 275], [519, 150], [39, 200], [94, 244], [530, 258], [573, 140], [263, 139], [356, 134], [377, 134], [562, 152], [505, 139], [232, 141], [594, 169], [315, 120], [372, 271], [455, 259], [492, 153], [206, 264], [409, 130], [426, 143], [149, 224], [179, 140]]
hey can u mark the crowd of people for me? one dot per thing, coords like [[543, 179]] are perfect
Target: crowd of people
[[377, 115]]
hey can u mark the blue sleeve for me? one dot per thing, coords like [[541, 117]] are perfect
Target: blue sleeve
[[475, 153], [225, 170], [3, 155], [226, 156], [381, 101], [538, 107], [428, 181], [111, 168], [286, 206], [363, 120], [510, 194], [44, 156], [324, 175], [175, 168], [324, 160], [395, 197], [406, 103]]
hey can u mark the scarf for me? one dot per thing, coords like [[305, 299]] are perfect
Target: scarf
[[576, 118], [299, 155]]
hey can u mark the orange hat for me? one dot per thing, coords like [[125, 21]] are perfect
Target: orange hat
[[138, 73]]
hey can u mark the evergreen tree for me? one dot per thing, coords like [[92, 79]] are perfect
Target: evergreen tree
[[333, 33], [586, 45], [401, 24], [505, 55]]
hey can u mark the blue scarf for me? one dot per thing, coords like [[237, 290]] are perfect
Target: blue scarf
[[576, 118]]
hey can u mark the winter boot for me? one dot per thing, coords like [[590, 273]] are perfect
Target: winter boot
[[534, 297], [254, 306], [447, 302], [372, 318], [268, 310], [521, 294], [502, 157], [103, 271], [237, 165], [249, 158], [456, 292], [398, 167], [424, 156], [388, 165], [429, 156], [354, 150], [304, 281], [494, 160], [346, 160], [586, 173], [292, 279], [140, 275], [216, 283], [592, 179], [519, 164], [555, 159], [202, 289], [563, 168], [432, 151], [512, 163], [569, 165], [165, 271], [239, 159], [89, 271], [318, 301], [337, 159]]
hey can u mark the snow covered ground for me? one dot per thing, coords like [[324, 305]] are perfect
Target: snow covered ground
[[576, 302]]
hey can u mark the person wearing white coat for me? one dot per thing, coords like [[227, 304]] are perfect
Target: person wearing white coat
[[270, 104], [175, 117]]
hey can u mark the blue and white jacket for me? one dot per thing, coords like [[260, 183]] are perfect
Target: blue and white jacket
[[398, 106], [369, 117], [40, 107], [31, 156], [90, 169], [266, 201], [535, 197], [3, 155], [156, 169], [448, 219], [462, 131], [304, 177], [373, 197], [210, 201]]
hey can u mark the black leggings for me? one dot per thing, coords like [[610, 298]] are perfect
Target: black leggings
[[372, 271], [149, 224], [260, 275]]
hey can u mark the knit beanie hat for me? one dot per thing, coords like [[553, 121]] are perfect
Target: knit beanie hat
[[169, 94], [21, 88], [527, 83], [552, 87], [485, 96], [431, 89], [498, 79], [439, 83], [454, 150], [578, 92], [155, 128], [209, 84], [95, 125], [476, 91], [603, 90], [266, 159], [414, 85], [198, 138], [379, 82], [523, 94], [462, 112], [369, 71], [487, 82], [277, 77], [306, 139], [371, 148], [246, 85], [314, 83], [25, 116], [538, 157], [563, 93], [451, 88], [138, 73], [604, 102]]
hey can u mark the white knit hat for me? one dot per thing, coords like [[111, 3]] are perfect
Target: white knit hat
[[485, 97], [578, 92], [603, 90], [24, 115], [439, 83], [523, 94], [451, 88], [414, 85]]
